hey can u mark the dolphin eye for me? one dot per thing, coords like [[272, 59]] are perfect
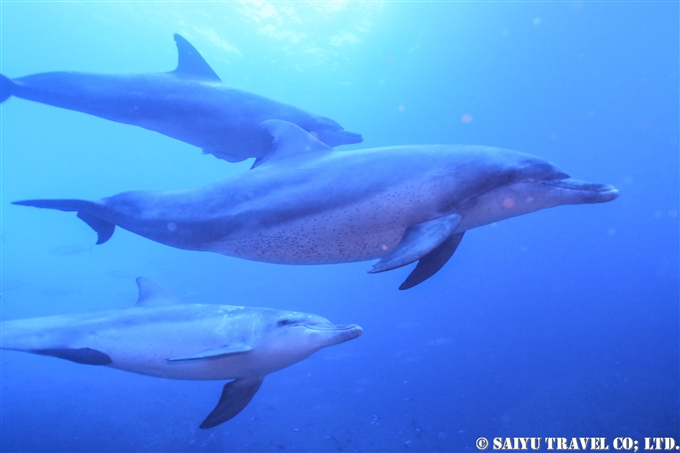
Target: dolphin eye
[[289, 322]]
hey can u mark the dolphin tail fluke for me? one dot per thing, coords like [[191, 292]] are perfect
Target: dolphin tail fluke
[[235, 396], [6, 88], [86, 212]]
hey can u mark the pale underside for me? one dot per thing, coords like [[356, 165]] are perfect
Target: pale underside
[[361, 231]]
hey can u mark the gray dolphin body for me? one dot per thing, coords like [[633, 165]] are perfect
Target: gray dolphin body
[[161, 337], [311, 205], [190, 104]]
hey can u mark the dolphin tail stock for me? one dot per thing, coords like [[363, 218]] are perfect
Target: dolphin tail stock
[[235, 397], [86, 212], [27, 336], [7, 88]]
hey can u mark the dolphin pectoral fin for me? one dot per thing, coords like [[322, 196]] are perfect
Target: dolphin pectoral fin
[[85, 356], [151, 294], [431, 263], [258, 161], [290, 140], [417, 242], [215, 353], [225, 156], [190, 63], [235, 396]]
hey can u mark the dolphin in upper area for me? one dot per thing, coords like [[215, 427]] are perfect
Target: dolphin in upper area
[[190, 104], [310, 205], [162, 337]]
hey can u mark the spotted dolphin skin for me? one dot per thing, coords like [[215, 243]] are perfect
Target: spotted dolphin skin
[[162, 337], [311, 205], [190, 104]]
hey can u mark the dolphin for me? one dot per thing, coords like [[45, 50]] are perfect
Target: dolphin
[[309, 204], [162, 337], [190, 104]]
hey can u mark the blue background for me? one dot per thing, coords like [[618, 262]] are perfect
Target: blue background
[[559, 323]]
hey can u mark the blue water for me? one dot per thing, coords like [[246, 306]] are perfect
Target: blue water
[[563, 322]]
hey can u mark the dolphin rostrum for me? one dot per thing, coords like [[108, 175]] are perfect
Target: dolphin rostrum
[[190, 104], [162, 337], [311, 205]]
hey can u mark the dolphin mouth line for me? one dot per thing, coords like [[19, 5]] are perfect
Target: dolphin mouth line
[[575, 184], [334, 328], [358, 138], [348, 133]]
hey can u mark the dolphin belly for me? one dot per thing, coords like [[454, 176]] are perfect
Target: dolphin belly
[[148, 348], [299, 243], [360, 231], [159, 365]]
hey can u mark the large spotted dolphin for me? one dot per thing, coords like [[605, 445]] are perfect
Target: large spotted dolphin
[[162, 337], [190, 104], [311, 205]]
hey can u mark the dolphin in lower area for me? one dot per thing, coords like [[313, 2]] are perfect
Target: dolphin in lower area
[[311, 205], [162, 337], [190, 104]]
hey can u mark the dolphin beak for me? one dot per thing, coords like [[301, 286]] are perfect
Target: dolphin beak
[[338, 334], [339, 137], [350, 137], [585, 192]]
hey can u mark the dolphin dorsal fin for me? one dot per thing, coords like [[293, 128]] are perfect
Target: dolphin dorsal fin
[[190, 63], [151, 294], [291, 140]]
